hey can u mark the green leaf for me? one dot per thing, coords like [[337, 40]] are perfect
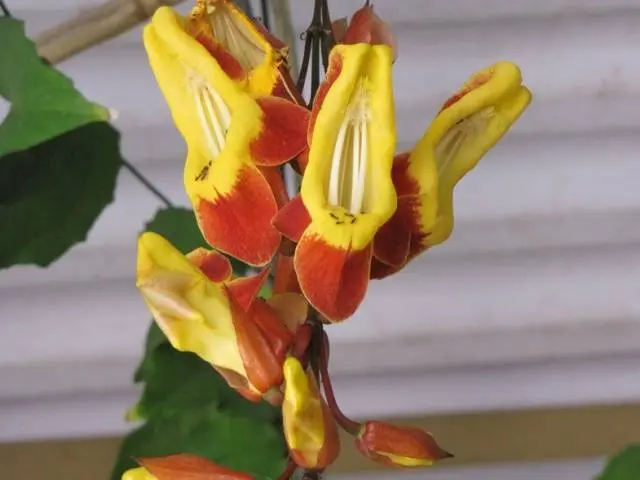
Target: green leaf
[[191, 409], [179, 226], [51, 194], [176, 382], [155, 339], [242, 444], [623, 466], [44, 103]]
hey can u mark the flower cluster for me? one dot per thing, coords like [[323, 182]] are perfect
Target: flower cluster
[[363, 212]]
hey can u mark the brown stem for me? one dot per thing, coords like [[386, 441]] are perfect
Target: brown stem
[[290, 470], [318, 43], [345, 422]]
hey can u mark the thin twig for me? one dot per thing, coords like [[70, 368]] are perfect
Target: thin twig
[[5, 9], [345, 422], [264, 9], [147, 183], [95, 25]]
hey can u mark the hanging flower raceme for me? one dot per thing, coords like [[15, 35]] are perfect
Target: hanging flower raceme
[[469, 124], [230, 132], [181, 466], [201, 309], [347, 192], [363, 212]]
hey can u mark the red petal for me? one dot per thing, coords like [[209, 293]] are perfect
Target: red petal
[[239, 223], [277, 334], [292, 219], [263, 366], [283, 135], [213, 264], [339, 28], [402, 181], [273, 176], [184, 466], [285, 279], [227, 62], [367, 27], [334, 280], [392, 242], [245, 290], [381, 270], [286, 88], [300, 163]]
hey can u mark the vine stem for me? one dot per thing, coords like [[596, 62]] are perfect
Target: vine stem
[[5, 9], [147, 183], [345, 422]]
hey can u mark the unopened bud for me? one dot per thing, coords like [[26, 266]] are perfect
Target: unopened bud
[[399, 446]]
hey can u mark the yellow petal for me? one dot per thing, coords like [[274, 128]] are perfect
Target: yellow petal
[[216, 117], [302, 409], [468, 126], [347, 185], [193, 312]]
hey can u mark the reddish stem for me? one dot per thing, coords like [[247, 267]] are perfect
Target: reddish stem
[[345, 422], [289, 471]]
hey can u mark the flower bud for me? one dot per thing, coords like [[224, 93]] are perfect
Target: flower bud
[[181, 466], [309, 427], [399, 446]]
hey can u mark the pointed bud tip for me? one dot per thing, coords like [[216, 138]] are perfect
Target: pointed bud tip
[[367, 27], [443, 455]]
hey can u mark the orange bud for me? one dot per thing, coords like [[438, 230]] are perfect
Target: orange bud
[[399, 446], [182, 466], [367, 27]]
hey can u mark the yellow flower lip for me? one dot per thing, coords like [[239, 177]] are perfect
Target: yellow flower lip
[[352, 142]]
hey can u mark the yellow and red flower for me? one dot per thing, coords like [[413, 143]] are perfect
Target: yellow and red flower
[[309, 428], [347, 192], [230, 132], [202, 309], [468, 125]]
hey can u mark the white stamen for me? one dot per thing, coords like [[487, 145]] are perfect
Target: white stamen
[[350, 158], [357, 194], [213, 114], [222, 108], [204, 123], [336, 163], [450, 145], [355, 167], [214, 119]]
